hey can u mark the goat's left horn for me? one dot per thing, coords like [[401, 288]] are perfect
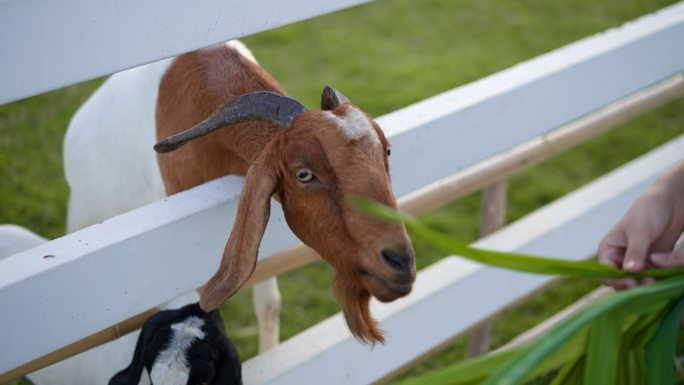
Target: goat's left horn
[[264, 105]]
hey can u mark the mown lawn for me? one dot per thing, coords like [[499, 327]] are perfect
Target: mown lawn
[[383, 55]]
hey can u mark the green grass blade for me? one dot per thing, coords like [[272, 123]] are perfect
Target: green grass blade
[[515, 371], [514, 261], [636, 367], [478, 369], [571, 372], [661, 350], [466, 372], [633, 371], [603, 348], [575, 376], [645, 335], [637, 338]]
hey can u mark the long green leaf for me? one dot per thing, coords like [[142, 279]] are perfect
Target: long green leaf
[[514, 261], [632, 360], [467, 372], [571, 373], [476, 370], [523, 364], [661, 350], [638, 342], [603, 348], [575, 376], [514, 371]]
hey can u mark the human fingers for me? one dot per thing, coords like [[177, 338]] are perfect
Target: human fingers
[[611, 252], [610, 255], [636, 252], [674, 258], [622, 283]]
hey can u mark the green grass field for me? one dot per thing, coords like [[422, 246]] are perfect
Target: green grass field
[[383, 55]]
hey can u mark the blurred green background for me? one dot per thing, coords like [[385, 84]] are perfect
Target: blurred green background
[[383, 55]]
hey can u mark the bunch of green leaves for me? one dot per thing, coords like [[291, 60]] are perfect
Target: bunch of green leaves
[[628, 338]]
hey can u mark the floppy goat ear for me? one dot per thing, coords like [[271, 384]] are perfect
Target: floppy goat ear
[[240, 254]]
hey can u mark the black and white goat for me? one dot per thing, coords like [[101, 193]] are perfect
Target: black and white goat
[[183, 346]]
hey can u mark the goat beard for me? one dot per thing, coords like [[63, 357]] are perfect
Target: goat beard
[[355, 302]]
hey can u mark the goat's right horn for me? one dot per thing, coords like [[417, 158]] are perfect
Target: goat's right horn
[[264, 105]]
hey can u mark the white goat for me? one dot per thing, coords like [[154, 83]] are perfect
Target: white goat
[[14, 239]]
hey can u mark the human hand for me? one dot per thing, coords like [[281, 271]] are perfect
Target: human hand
[[646, 235]]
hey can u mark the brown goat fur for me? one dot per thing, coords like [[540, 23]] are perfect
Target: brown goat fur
[[193, 87], [343, 148]]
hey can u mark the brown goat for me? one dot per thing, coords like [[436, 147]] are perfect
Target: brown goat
[[312, 162]]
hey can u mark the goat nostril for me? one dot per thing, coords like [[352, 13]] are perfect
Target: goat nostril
[[398, 261]]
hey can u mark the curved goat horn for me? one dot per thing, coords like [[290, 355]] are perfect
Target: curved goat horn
[[331, 98], [264, 105]]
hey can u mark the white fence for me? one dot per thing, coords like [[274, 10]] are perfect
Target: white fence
[[41, 51], [182, 236]]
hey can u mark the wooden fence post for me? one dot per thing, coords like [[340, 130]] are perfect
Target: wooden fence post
[[493, 218]]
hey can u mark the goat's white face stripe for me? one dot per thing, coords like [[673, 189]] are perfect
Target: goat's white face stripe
[[171, 367], [354, 124]]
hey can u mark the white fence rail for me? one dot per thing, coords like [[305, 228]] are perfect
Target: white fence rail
[[103, 274], [47, 44]]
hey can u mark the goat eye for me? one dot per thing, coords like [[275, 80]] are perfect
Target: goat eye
[[389, 152], [304, 175]]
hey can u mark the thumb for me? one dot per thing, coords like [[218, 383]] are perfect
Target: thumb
[[674, 258]]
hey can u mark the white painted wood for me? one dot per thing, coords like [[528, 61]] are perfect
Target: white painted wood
[[111, 271], [47, 44], [441, 305], [437, 194], [100, 268]]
